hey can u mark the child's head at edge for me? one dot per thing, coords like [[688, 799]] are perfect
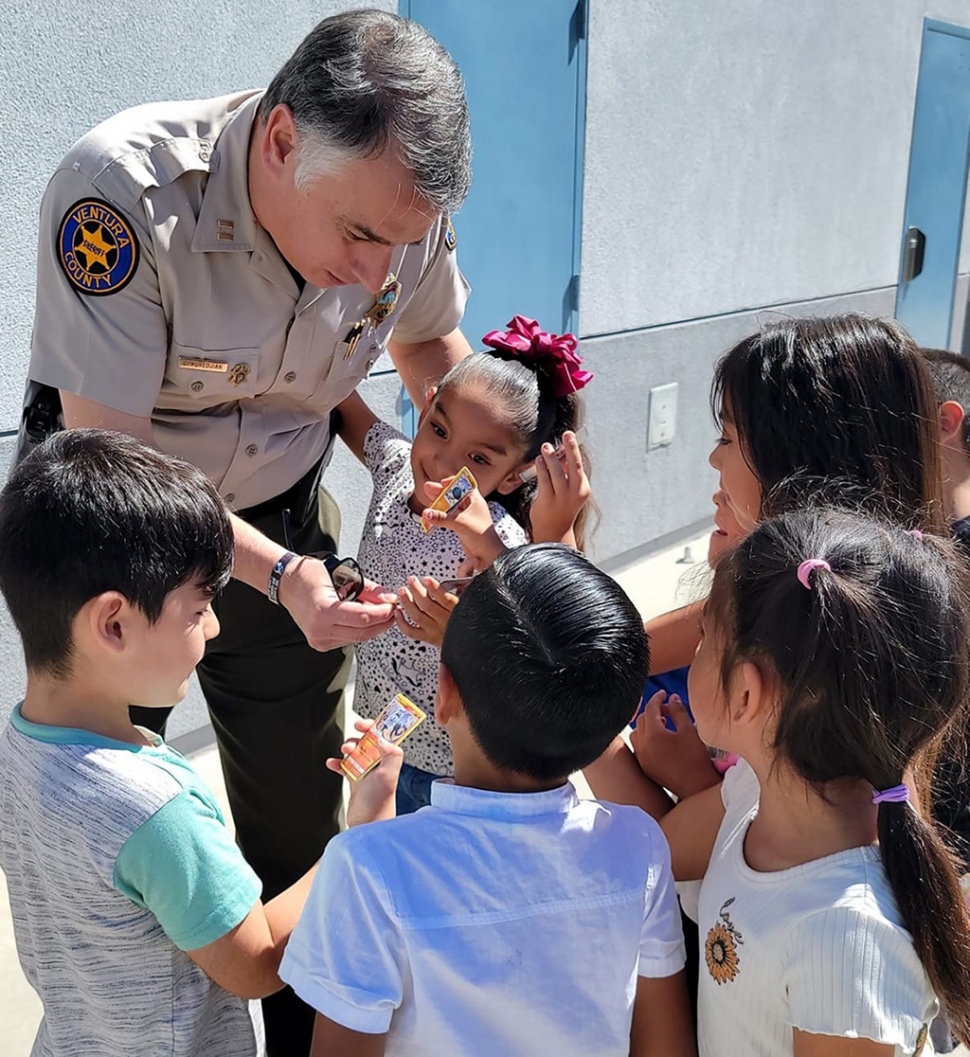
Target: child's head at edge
[[543, 663], [99, 532], [844, 684], [505, 404], [845, 398], [951, 384]]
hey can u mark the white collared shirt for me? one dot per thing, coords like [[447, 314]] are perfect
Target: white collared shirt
[[490, 923]]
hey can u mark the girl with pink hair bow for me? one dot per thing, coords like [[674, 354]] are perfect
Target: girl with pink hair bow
[[503, 413]]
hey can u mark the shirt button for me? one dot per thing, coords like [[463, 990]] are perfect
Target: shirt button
[[252, 449], [197, 387], [290, 376], [231, 498]]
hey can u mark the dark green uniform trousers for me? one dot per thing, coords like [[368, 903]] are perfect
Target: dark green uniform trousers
[[275, 706]]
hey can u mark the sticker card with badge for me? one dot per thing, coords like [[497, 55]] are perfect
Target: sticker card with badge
[[396, 721], [452, 494]]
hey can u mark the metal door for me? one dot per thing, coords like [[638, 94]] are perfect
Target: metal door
[[937, 188]]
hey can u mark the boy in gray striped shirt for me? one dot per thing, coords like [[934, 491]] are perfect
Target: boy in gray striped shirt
[[137, 920]]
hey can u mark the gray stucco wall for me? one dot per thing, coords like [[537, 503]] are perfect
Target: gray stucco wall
[[744, 153], [743, 158], [69, 64]]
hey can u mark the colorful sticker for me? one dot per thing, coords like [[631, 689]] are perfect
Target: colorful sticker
[[452, 494], [394, 724], [97, 247]]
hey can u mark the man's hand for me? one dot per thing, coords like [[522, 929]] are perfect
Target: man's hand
[[308, 594], [676, 759], [562, 492], [372, 797], [424, 610]]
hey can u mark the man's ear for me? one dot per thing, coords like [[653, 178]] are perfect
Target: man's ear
[[105, 622], [951, 421], [279, 138]]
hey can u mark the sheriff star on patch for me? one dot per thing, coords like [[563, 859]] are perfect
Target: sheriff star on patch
[[96, 247]]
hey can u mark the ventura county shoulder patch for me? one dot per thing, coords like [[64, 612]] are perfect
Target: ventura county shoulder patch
[[96, 247]]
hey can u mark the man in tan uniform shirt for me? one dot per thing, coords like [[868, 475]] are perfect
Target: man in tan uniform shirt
[[208, 280]]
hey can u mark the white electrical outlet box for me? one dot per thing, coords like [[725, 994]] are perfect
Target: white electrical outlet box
[[662, 416]]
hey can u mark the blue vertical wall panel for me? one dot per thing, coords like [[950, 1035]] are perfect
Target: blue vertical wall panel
[[524, 63], [937, 186]]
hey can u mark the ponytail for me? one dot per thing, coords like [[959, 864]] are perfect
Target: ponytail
[[923, 878], [866, 629]]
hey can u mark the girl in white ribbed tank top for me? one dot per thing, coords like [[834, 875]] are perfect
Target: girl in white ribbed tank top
[[835, 654]]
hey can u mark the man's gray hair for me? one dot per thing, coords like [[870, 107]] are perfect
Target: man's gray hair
[[363, 81]]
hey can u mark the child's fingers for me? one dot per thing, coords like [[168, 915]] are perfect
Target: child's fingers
[[363, 725], [438, 595], [435, 488], [412, 629], [424, 602], [557, 472], [677, 712], [408, 609]]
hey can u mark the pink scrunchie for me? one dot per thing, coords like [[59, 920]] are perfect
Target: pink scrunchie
[[555, 353]]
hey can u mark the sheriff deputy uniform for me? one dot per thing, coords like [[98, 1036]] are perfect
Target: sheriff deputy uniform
[[158, 294]]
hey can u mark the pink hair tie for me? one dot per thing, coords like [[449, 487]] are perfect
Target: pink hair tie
[[915, 533], [807, 566], [899, 794]]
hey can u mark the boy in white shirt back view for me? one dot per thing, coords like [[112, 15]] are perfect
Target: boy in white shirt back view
[[509, 917]]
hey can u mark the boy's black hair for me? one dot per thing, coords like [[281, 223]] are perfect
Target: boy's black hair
[[90, 511], [549, 656], [951, 381]]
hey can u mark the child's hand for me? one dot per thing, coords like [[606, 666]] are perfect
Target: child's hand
[[424, 610], [372, 797], [676, 759], [562, 492], [470, 520]]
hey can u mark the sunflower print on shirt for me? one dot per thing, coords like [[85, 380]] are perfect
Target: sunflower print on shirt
[[721, 948]]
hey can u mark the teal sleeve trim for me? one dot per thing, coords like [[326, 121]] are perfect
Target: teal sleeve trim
[[182, 866]]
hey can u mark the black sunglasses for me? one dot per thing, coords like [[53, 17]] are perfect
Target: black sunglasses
[[348, 580]]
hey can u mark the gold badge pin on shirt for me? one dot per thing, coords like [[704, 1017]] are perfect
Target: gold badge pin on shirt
[[386, 300], [382, 308]]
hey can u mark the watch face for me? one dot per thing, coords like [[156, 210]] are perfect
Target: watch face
[[348, 580]]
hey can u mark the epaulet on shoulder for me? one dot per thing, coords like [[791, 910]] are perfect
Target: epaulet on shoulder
[[151, 146]]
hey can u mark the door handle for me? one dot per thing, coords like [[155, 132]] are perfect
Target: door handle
[[913, 251]]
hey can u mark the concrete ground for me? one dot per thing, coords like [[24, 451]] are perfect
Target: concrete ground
[[655, 584]]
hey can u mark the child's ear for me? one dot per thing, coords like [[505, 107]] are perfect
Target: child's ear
[[107, 621], [749, 697], [447, 701], [428, 399], [513, 480], [951, 420]]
